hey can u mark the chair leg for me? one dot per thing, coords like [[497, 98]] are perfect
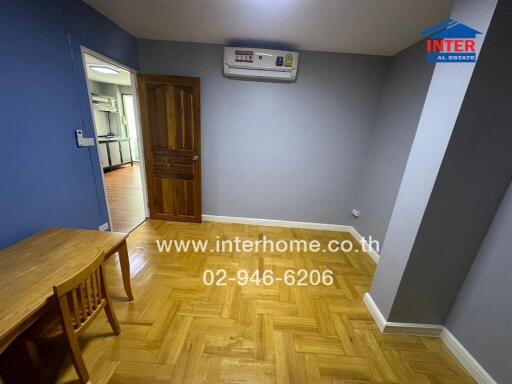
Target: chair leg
[[33, 354], [78, 360], [111, 316], [72, 341]]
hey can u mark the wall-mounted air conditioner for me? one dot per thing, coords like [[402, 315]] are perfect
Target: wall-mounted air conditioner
[[104, 103], [260, 63]]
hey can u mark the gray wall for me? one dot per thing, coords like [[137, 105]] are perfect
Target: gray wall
[[481, 318], [442, 105], [276, 150], [474, 176], [399, 112]]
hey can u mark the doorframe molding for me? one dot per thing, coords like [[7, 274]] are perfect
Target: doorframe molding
[[140, 141], [134, 87]]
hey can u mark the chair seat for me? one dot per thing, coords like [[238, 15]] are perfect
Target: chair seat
[[48, 327]]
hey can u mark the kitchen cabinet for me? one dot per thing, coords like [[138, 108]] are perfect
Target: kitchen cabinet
[[103, 152], [126, 152], [114, 152]]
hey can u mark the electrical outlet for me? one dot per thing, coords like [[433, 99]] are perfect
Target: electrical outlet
[[103, 227], [355, 213]]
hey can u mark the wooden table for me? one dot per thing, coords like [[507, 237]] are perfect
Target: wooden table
[[30, 269]]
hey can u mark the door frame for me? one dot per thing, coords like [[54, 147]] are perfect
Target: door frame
[[138, 127]]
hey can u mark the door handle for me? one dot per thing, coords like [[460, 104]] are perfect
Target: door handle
[[195, 157]]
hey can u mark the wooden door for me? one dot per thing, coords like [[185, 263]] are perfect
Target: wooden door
[[170, 115]]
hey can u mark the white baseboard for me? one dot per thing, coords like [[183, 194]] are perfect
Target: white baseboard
[[372, 253], [278, 223], [292, 224], [399, 328], [378, 317], [477, 372]]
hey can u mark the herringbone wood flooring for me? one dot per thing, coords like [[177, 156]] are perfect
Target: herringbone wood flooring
[[180, 331]]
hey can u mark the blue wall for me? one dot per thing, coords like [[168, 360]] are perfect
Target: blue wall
[[45, 180]]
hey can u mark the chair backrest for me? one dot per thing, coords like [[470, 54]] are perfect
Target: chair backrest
[[82, 296]]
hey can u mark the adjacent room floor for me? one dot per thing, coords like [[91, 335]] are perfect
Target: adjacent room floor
[[179, 330], [124, 193]]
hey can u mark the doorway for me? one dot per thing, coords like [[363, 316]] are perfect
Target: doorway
[[114, 107]]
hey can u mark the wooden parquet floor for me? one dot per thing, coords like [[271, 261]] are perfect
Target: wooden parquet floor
[[180, 331], [125, 200]]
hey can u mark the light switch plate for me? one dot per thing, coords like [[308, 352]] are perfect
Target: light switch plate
[[82, 141], [103, 227]]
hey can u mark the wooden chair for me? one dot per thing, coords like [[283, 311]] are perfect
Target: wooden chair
[[78, 301]]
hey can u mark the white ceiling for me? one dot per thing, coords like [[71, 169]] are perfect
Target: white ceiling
[[122, 78], [381, 27]]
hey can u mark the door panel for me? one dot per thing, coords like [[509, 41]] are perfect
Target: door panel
[[171, 128]]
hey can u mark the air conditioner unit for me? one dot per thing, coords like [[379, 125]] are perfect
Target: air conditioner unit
[[260, 63]]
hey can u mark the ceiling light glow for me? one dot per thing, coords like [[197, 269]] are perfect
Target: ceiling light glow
[[105, 69]]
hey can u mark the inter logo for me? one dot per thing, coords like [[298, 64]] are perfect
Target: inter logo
[[451, 42]]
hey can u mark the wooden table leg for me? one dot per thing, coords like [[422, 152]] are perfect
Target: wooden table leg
[[124, 261]]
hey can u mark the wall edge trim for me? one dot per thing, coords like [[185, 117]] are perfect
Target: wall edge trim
[[292, 224], [399, 328], [463, 356], [372, 253], [466, 359]]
